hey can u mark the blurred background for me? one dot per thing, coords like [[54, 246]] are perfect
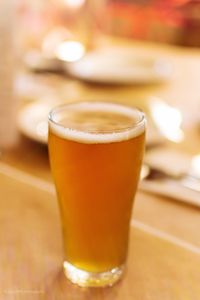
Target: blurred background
[[173, 21], [156, 20], [142, 53], [135, 52], [125, 51]]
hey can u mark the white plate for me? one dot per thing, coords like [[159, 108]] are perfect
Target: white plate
[[33, 123], [121, 66]]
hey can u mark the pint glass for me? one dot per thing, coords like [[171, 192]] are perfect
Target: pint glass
[[96, 151]]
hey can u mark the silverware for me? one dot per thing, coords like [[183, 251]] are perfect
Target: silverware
[[188, 180]]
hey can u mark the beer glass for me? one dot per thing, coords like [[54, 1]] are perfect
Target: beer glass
[[96, 151]]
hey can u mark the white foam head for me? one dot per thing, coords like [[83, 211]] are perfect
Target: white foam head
[[96, 122]]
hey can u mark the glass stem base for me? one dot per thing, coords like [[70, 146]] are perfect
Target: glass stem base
[[90, 279]]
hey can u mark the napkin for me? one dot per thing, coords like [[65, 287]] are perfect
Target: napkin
[[174, 163]]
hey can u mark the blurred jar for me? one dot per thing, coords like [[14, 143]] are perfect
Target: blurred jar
[[43, 24]]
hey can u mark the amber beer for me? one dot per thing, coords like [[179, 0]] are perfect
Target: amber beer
[[96, 152]]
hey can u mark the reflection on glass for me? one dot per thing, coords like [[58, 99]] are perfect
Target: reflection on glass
[[168, 120]]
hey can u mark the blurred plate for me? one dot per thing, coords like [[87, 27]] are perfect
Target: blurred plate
[[33, 123], [120, 65]]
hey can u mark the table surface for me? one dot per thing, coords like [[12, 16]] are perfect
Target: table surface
[[164, 252]]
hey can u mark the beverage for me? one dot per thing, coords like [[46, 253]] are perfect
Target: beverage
[[96, 151]]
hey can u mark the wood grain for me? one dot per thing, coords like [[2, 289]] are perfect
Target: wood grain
[[31, 256]]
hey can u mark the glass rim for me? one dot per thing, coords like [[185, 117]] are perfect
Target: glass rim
[[62, 107]]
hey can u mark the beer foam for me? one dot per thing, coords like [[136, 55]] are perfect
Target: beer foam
[[96, 122]]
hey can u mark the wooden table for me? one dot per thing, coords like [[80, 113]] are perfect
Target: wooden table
[[164, 254]]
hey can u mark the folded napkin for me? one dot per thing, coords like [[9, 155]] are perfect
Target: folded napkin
[[174, 163]]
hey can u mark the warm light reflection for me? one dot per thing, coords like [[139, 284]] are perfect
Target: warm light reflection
[[74, 3], [70, 51], [195, 165], [54, 38], [144, 172], [168, 120]]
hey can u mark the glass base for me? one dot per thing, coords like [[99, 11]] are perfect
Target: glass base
[[89, 279]]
